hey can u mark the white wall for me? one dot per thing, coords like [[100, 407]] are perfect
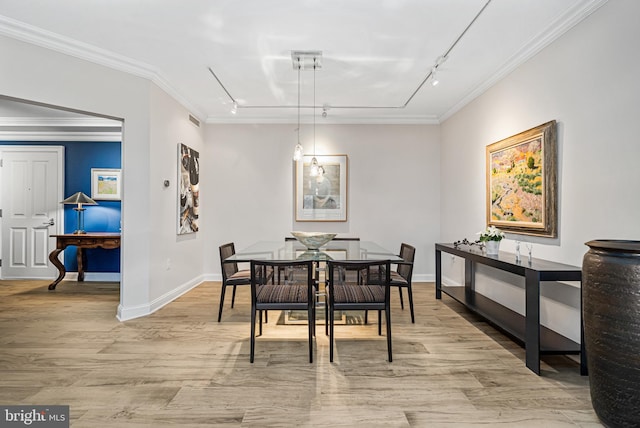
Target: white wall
[[393, 189], [588, 81], [42, 75], [176, 264]]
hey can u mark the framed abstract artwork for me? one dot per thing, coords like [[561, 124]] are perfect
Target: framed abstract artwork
[[188, 189], [522, 182], [106, 184], [322, 197]]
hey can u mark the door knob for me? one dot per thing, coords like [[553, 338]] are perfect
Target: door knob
[[50, 222]]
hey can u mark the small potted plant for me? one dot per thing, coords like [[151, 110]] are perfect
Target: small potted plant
[[491, 238]]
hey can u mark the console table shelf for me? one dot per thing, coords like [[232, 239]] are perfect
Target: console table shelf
[[511, 322], [524, 329]]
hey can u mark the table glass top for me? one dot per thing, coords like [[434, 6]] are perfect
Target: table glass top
[[333, 250]]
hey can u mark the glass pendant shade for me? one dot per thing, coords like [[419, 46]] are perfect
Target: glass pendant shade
[[297, 152], [314, 167]]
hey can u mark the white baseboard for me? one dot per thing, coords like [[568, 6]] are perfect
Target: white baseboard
[[94, 276], [423, 277], [213, 277], [128, 313], [450, 282]]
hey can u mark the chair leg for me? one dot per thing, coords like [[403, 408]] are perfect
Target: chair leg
[[366, 317], [260, 323], [326, 317], [410, 291], [312, 324], [224, 287], [253, 333], [379, 323], [233, 296], [331, 335], [387, 318], [401, 300]]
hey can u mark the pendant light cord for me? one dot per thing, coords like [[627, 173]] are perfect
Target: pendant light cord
[[314, 106], [298, 100]]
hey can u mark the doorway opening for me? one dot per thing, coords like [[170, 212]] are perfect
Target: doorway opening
[[87, 141]]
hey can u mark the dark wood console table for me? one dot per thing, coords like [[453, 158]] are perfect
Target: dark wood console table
[[81, 241], [525, 329]]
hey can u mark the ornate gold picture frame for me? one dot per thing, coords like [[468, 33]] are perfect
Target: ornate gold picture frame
[[522, 184]]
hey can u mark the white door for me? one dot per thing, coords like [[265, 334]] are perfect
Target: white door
[[31, 188]]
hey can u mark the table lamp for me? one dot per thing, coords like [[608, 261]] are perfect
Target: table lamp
[[79, 199]]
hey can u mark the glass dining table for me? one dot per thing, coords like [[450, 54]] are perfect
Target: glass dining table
[[289, 250], [293, 250]]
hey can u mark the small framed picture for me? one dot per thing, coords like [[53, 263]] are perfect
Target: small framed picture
[[106, 184]]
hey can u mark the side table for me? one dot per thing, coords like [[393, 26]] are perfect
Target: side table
[[81, 241]]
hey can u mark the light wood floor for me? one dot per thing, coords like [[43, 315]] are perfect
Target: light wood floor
[[180, 367]]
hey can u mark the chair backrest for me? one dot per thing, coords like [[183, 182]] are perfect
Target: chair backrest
[[358, 273], [294, 272], [226, 251], [408, 254]]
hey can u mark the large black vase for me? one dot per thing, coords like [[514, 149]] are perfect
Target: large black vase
[[611, 312]]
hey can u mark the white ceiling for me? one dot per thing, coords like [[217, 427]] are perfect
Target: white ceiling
[[376, 54]]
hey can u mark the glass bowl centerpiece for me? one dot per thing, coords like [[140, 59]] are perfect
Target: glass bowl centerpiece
[[313, 240]]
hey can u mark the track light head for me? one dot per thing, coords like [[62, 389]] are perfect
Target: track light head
[[434, 78]]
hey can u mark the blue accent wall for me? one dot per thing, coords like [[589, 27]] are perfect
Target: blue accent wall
[[80, 157]]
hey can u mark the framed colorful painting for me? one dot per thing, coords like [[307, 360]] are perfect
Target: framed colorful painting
[[322, 197], [106, 184], [522, 182]]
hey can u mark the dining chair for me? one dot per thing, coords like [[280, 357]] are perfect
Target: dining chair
[[231, 275], [365, 287], [295, 290], [401, 277]]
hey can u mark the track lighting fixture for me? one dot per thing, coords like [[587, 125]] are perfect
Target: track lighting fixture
[[304, 60]]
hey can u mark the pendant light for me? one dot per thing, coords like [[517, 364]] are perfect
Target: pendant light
[[298, 151], [314, 161]]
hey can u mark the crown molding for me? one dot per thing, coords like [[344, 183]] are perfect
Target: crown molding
[[554, 30], [60, 136], [60, 129], [53, 41], [60, 122]]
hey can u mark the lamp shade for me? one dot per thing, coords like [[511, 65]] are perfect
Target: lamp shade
[[79, 198]]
